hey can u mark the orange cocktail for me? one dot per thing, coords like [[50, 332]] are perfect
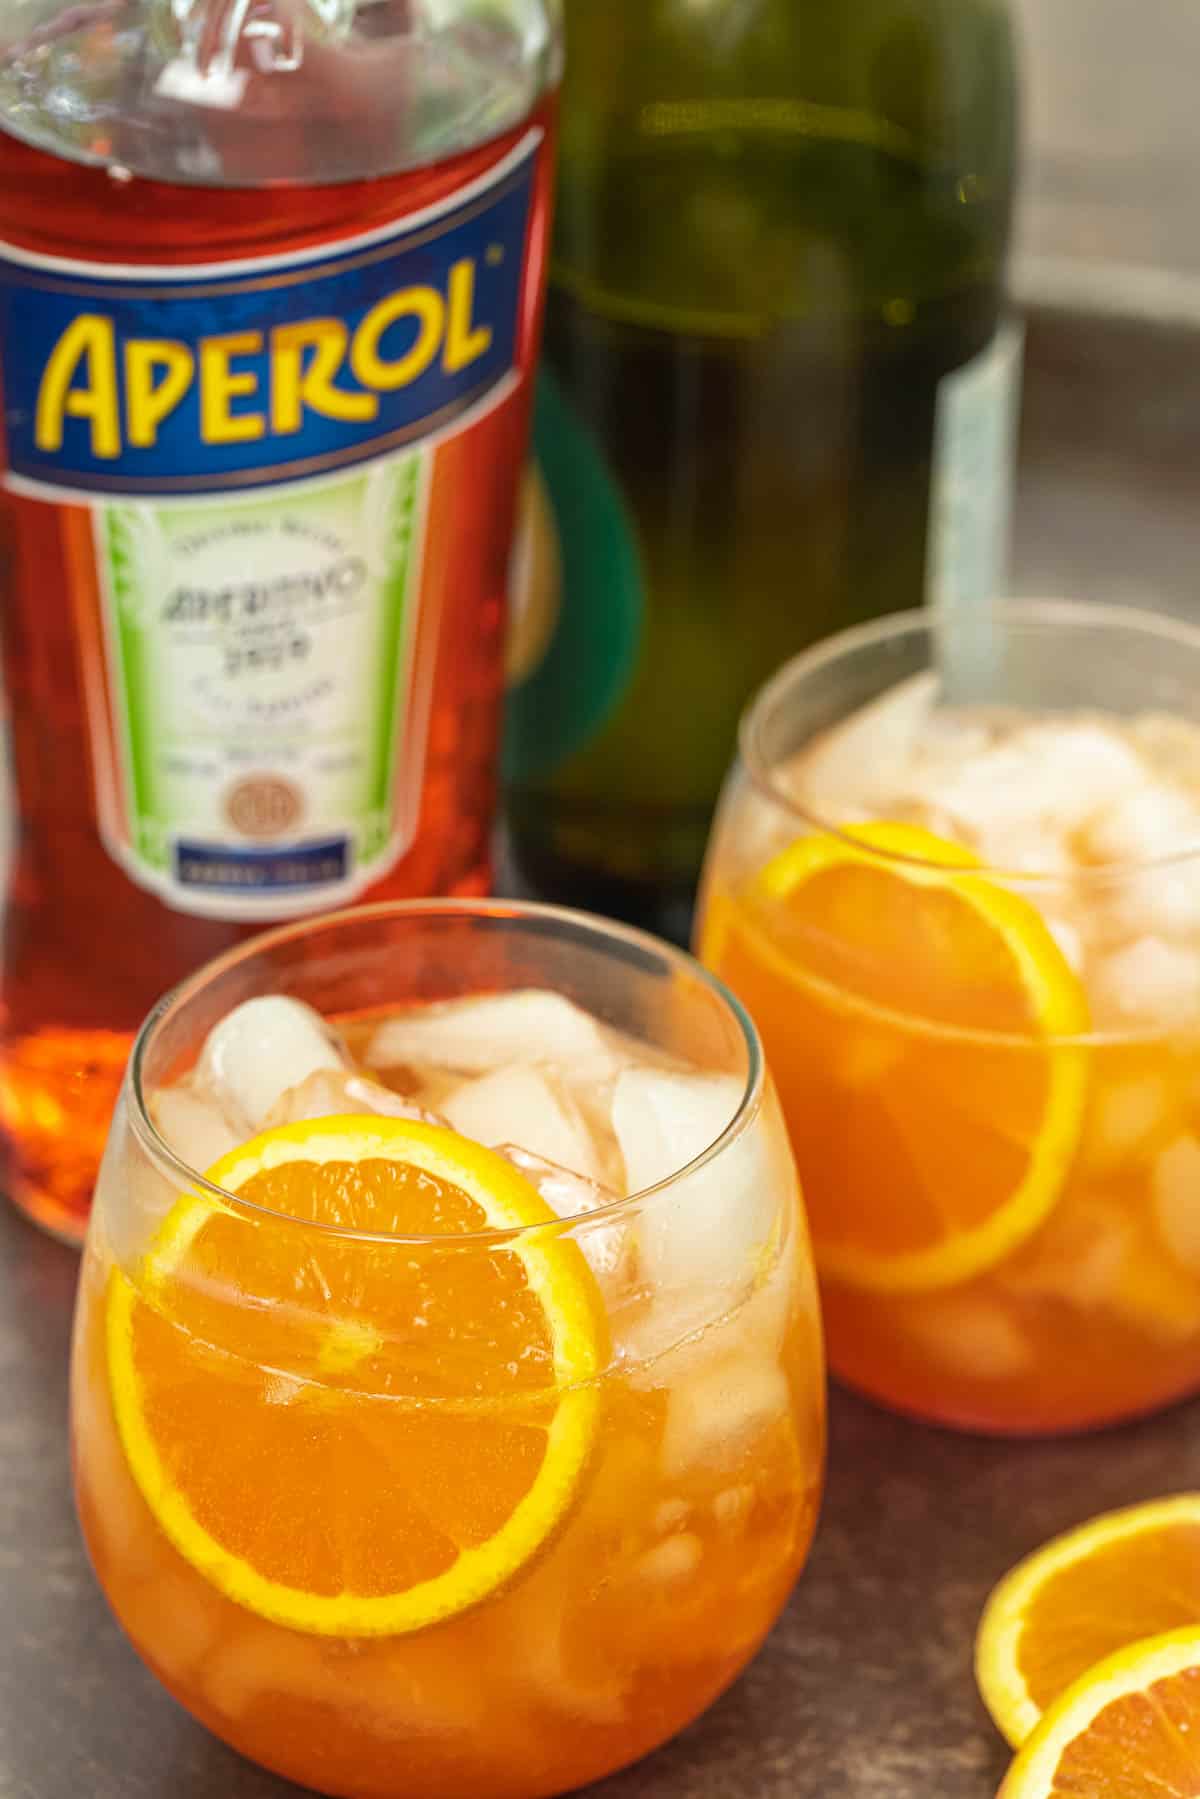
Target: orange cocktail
[[956, 880], [462, 1432]]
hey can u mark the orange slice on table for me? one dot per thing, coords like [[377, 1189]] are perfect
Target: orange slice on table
[[912, 1012], [353, 1436], [1127, 1729], [1121, 1578]]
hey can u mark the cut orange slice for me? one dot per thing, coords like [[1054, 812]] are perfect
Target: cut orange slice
[[1121, 1578], [1128, 1729], [915, 1015], [348, 1434]]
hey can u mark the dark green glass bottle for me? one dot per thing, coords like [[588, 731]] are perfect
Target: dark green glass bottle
[[778, 395]]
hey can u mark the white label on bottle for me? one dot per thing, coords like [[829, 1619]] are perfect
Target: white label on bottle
[[260, 657], [974, 457]]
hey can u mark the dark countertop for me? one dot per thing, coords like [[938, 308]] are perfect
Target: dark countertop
[[865, 1689]]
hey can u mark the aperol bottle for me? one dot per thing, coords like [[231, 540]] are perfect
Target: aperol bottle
[[270, 292]]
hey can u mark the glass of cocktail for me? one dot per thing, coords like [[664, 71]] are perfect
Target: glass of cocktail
[[448, 1387], [956, 880]]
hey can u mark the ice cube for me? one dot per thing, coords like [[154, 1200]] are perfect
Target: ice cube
[[1034, 850], [1069, 939], [519, 1105], [566, 1193], [1176, 1188], [849, 770], [138, 1194], [674, 1559], [334, 1093], [733, 1506], [671, 1515], [544, 1654], [1156, 1294], [668, 1332], [974, 1337], [477, 1035], [1101, 1253], [784, 1291], [991, 793], [1170, 745], [707, 1228], [1147, 982], [192, 1127], [259, 1666], [108, 1498], [1145, 823], [1126, 1117], [662, 1336], [1046, 782], [1082, 768], [175, 1618], [713, 1413], [607, 1248], [950, 736], [751, 828], [665, 1120], [1080, 1256], [1162, 901], [258, 1051]]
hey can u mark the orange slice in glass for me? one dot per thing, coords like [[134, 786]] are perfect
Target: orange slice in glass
[[1122, 1577], [353, 1435], [917, 1017]]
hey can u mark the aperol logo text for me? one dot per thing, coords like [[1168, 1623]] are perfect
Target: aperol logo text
[[306, 363], [169, 381]]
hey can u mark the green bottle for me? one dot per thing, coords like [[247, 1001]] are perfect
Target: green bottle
[[779, 394]]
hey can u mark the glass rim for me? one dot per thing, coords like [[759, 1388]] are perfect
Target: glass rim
[[192, 1181], [1027, 613]]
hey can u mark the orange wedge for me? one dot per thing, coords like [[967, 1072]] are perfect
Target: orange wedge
[[914, 1015], [1121, 1578], [1128, 1729], [348, 1435]]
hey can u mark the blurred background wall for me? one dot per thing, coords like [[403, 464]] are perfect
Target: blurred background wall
[[1108, 269], [1111, 211]]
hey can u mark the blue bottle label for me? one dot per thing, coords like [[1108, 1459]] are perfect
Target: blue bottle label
[[162, 381], [252, 459]]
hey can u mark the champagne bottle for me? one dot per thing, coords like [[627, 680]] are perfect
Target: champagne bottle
[[778, 394]]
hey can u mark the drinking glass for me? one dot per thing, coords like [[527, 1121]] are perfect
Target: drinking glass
[[488, 1509], [955, 878]]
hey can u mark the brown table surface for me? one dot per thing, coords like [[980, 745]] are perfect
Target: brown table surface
[[865, 1689]]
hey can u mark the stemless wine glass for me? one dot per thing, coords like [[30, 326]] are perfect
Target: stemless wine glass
[[414, 1467], [956, 879]]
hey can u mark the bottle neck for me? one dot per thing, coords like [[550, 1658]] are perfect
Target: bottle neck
[[215, 37], [268, 92]]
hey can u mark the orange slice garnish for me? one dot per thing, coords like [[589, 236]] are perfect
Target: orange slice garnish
[[1121, 1578], [917, 1019], [1130, 1726], [349, 1435]]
